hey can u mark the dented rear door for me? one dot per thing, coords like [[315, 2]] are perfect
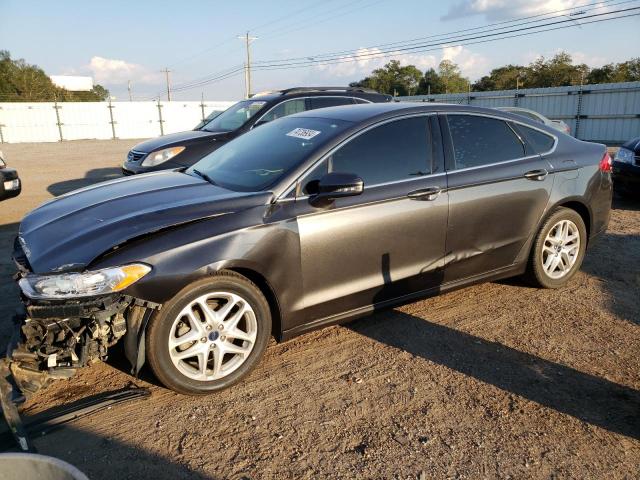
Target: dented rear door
[[495, 197]]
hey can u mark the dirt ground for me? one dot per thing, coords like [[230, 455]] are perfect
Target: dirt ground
[[493, 381]]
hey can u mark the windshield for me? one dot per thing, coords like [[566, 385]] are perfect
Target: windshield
[[235, 116], [256, 160], [210, 117]]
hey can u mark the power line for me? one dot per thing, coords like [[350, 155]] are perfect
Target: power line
[[463, 40], [347, 60], [413, 48], [596, 5]]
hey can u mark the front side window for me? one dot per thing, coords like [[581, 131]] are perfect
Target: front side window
[[284, 109], [256, 160], [397, 150], [235, 116], [481, 141]]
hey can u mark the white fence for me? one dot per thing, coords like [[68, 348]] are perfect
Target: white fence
[[54, 122]]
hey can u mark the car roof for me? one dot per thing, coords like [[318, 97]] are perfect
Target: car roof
[[516, 109], [297, 92], [362, 112]]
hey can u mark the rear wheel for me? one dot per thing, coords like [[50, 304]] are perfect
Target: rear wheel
[[558, 249], [209, 335]]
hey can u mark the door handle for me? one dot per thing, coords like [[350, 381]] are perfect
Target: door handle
[[429, 194], [538, 175]]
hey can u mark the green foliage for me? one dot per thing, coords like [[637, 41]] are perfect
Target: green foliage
[[393, 79], [553, 72], [451, 77], [502, 78], [22, 82]]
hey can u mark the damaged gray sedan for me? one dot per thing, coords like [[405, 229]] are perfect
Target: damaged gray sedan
[[311, 220]]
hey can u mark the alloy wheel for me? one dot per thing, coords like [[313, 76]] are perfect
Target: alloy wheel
[[213, 336], [560, 249]]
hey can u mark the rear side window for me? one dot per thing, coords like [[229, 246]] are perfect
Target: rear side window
[[481, 141], [359, 100], [540, 142], [394, 151], [284, 109], [323, 102]]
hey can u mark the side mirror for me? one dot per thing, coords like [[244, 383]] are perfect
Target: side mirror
[[337, 185]]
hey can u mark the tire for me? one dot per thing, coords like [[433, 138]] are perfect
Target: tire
[[224, 318], [568, 263]]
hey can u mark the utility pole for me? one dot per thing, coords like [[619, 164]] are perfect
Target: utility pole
[[167, 72], [129, 89], [247, 67]]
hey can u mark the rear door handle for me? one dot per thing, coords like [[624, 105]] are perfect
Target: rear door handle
[[538, 175], [428, 194]]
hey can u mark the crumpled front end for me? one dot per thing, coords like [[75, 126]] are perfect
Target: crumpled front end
[[53, 338]]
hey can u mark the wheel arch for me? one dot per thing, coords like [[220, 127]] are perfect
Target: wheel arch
[[579, 207], [267, 290]]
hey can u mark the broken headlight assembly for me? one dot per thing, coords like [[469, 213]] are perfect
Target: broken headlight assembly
[[63, 286]]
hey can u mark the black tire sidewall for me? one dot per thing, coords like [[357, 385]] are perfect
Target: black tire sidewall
[[540, 275], [160, 328]]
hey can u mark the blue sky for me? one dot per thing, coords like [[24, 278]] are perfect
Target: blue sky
[[118, 41]]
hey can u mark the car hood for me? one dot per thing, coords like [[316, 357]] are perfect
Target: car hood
[[67, 233], [178, 139]]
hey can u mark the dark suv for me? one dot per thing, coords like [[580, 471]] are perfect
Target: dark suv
[[308, 221], [183, 149]]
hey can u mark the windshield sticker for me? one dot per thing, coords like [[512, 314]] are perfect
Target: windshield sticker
[[304, 133]]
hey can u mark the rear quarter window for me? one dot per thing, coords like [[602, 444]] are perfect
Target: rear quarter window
[[539, 142]]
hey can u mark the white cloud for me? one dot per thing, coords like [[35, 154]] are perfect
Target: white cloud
[[577, 56], [503, 9], [111, 71], [365, 60]]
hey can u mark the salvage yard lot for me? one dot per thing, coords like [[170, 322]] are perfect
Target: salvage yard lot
[[493, 381]]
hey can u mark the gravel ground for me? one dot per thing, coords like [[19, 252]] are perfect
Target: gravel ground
[[493, 381]]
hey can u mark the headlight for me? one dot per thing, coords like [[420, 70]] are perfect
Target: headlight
[[161, 156], [85, 284], [624, 155]]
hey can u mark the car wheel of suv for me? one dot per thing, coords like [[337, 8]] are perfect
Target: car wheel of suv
[[558, 249], [210, 335]]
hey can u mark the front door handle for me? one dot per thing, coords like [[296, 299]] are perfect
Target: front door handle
[[429, 194], [538, 175]]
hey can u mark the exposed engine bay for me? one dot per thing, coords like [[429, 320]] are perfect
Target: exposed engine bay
[[54, 339]]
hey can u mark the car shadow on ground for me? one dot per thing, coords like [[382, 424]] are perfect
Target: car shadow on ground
[[96, 175], [586, 397], [101, 457]]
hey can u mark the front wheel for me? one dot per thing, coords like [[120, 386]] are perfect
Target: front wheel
[[558, 249], [209, 335]]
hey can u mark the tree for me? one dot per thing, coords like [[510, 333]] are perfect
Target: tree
[[502, 78], [393, 79], [21, 82], [558, 71], [430, 83], [450, 75]]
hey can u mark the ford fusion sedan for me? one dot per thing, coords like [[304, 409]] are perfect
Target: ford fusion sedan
[[180, 150], [626, 169], [310, 220]]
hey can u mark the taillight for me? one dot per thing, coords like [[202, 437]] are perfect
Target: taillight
[[605, 163]]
